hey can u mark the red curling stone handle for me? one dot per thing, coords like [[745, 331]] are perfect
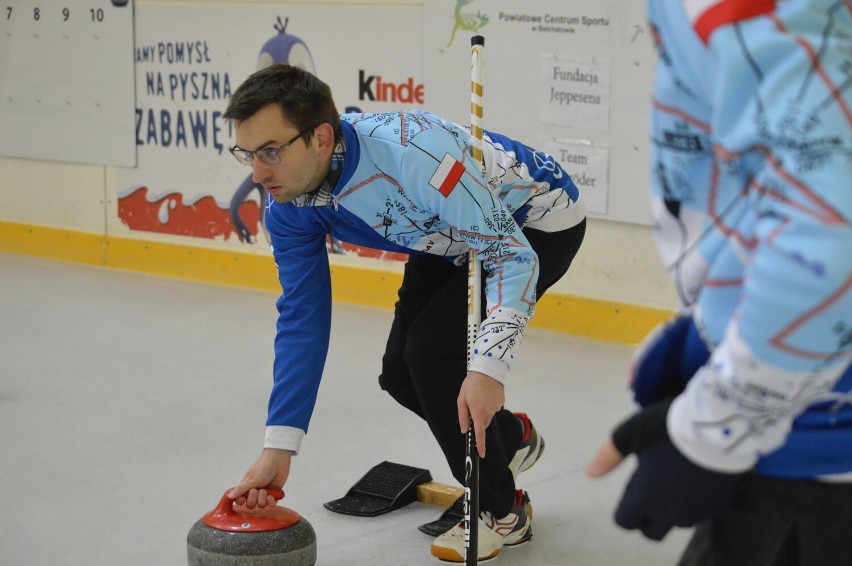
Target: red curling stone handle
[[226, 518]]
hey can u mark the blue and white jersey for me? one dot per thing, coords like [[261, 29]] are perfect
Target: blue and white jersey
[[409, 184], [752, 179]]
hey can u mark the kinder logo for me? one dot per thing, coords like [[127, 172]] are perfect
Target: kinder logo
[[373, 87]]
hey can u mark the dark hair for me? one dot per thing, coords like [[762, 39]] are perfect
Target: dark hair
[[304, 99]]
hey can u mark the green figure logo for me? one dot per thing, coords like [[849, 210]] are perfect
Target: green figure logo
[[468, 22]]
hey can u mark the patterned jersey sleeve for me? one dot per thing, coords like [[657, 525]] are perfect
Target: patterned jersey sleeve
[[753, 186], [440, 175]]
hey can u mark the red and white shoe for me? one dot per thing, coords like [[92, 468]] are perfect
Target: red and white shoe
[[513, 529], [530, 450]]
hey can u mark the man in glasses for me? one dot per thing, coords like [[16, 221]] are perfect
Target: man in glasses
[[405, 182]]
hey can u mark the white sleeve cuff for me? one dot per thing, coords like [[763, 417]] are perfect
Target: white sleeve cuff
[[284, 438], [738, 408], [708, 448], [497, 369]]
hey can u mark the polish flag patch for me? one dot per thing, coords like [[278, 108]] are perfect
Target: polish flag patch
[[447, 175]]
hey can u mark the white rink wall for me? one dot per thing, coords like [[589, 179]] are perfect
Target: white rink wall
[[618, 262]]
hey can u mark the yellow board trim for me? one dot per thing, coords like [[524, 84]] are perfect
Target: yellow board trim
[[580, 316]]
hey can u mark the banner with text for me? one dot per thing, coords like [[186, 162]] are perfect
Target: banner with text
[[555, 70], [189, 60]]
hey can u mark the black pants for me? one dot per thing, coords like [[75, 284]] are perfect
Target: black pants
[[425, 360], [777, 522]]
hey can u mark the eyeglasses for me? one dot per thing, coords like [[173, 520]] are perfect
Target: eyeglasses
[[267, 155]]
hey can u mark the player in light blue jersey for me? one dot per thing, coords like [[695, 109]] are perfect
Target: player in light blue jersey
[[406, 182], [747, 425]]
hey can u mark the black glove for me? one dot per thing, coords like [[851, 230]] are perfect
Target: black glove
[[666, 490]]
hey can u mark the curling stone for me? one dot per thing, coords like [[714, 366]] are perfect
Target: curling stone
[[236, 536]]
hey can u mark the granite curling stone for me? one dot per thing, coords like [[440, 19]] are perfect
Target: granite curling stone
[[231, 536]]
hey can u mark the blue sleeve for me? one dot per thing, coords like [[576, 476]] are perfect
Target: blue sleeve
[[304, 315]]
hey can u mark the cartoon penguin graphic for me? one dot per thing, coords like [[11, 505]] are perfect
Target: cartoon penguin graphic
[[285, 48], [281, 48]]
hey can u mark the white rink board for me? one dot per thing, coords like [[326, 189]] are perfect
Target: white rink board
[[67, 89]]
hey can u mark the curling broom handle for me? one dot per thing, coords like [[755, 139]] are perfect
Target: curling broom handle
[[474, 308]]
